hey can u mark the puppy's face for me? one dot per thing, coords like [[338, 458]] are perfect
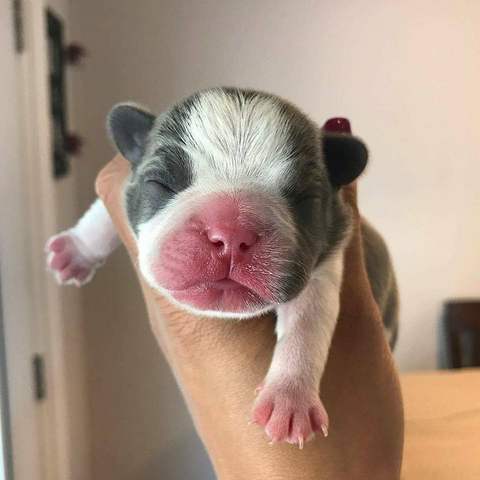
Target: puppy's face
[[233, 198]]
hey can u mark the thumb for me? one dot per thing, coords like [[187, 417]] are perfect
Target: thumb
[[109, 186]]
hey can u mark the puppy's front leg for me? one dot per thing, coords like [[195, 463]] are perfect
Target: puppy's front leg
[[75, 254], [288, 405]]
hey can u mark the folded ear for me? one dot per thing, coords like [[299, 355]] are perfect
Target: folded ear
[[129, 126], [345, 156]]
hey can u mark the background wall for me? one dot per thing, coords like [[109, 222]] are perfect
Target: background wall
[[406, 74]]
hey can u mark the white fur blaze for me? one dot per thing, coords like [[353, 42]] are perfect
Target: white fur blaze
[[238, 139]]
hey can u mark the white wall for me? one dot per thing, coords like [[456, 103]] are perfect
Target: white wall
[[406, 74]]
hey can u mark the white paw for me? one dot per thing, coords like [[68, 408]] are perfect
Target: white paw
[[290, 413], [69, 261]]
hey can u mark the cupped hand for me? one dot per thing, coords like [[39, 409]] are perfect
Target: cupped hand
[[218, 364]]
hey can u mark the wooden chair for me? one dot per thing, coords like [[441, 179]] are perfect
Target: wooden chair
[[462, 333]]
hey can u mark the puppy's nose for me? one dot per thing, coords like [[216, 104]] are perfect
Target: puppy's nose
[[231, 239]]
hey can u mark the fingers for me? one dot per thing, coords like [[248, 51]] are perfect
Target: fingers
[[110, 179], [109, 187], [349, 193], [356, 289]]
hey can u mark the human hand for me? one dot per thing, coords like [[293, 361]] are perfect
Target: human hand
[[219, 363]]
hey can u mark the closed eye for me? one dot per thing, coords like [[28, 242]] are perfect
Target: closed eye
[[160, 184]]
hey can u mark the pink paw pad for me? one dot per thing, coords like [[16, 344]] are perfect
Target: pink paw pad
[[289, 413], [68, 263]]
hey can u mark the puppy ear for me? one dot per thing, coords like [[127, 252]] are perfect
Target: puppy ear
[[345, 156], [128, 126]]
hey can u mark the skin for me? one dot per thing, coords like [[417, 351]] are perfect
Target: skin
[[219, 363]]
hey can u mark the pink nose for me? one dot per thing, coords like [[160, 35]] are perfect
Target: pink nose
[[231, 240]]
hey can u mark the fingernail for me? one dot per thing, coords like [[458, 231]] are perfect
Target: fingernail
[[300, 443], [324, 430]]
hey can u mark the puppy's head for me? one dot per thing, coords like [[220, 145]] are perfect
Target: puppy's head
[[233, 197]]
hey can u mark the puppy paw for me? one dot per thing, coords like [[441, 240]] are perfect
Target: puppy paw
[[69, 260], [289, 412]]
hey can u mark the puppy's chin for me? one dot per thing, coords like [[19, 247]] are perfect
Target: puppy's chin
[[240, 315], [225, 298], [219, 300]]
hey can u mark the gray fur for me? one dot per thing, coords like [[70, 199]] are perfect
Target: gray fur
[[129, 126], [382, 279]]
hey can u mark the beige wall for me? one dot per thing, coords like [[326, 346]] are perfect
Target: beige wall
[[406, 73]]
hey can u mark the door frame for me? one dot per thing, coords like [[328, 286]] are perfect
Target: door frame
[[51, 437], [6, 457]]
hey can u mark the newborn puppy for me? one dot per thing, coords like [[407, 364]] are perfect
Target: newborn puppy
[[234, 202]]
